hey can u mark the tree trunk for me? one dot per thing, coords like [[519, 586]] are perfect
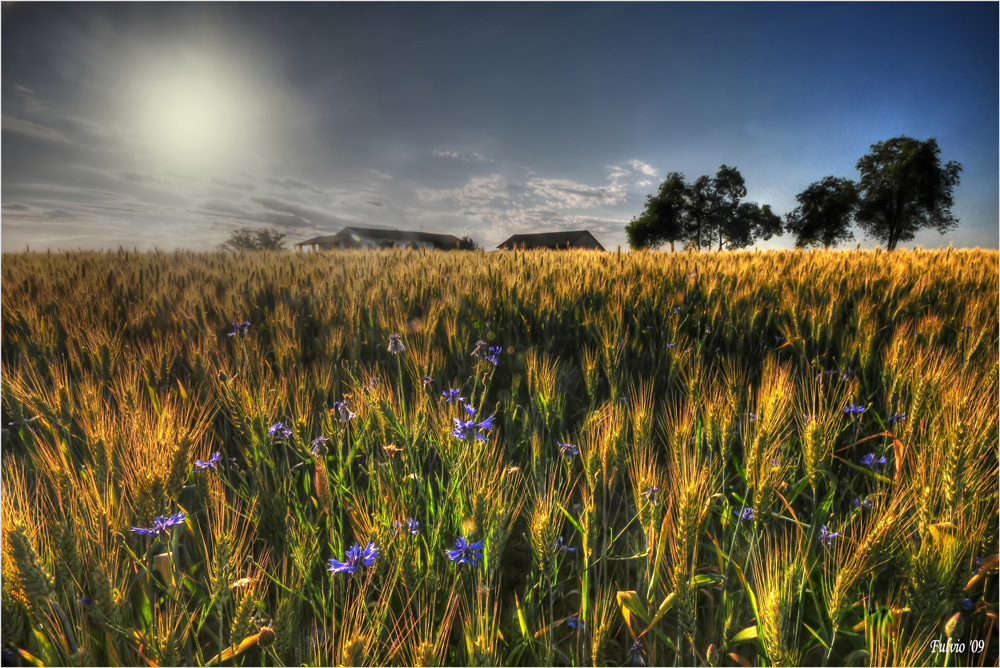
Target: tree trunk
[[671, 246]]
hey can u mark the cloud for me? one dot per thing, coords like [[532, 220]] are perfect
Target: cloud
[[32, 130], [15, 206], [139, 177], [643, 183], [479, 189], [458, 155], [640, 166], [617, 173], [299, 215], [564, 194], [373, 202], [60, 214], [233, 185], [293, 184]]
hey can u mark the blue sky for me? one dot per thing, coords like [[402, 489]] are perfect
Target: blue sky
[[167, 125]]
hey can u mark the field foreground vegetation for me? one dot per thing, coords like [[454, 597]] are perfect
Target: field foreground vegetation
[[563, 458]]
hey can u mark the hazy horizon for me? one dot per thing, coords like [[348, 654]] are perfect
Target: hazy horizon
[[168, 125]]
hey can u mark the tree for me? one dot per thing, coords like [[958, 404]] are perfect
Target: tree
[[752, 223], [664, 219], [903, 189], [468, 243], [825, 212], [728, 188], [250, 239]]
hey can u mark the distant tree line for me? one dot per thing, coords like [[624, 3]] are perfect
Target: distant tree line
[[903, 188], [270, 239]]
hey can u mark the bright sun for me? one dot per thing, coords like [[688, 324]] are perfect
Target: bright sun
[[191, 121]]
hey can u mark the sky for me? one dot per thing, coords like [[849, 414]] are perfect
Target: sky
[[168, 125]]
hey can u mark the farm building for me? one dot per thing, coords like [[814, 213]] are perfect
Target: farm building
[[582, 240], [362, 237]]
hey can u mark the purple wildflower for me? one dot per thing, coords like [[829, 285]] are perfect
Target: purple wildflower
[[279, 430], [396, 344], [353, 558], [896, 418], [854, 410], [212, 463], [650, 494], [320, 446], [343, 411], [466, 552], [638, 653], [411, 526], [160, 524], [240, 329], [562, 546], [871, 462], [480, 347], [575, 622], [568, 449], [452, 395], [826, 537], [862, 503], [494, 355], [746, 514]]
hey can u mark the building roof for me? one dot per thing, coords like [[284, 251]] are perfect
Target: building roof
[[439, 240], [577, 239]]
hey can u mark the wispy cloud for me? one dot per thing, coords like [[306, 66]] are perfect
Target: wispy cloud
[[640, 166], [293, 184], [459, 155]]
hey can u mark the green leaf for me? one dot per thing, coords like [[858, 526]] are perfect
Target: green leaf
[[746, 635]]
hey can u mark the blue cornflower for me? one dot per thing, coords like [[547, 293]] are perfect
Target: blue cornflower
[[870, 461], [562, 546], [826, 537], [650, 494], [752, 416], [160, 524], [568, 449], [847, 373], [86, 602], [396, 344], [452, 395], [677, 309], [240, 329], [428, 380], [353, 558], [854, 410], [212, 463], [343, 411], [466, 552], [319, 446], [463, 428], [978, 566], [575, 622], [966, 604], [896, 418], [494, 355], [779, 339], [671, 345], [862, 503], [411, 525], [637, 653], [279, 430], [746, 514]]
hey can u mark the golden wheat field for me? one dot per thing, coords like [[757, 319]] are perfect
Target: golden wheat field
[[529, 458]]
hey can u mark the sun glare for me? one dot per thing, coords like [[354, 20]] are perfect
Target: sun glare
[[191, 121]]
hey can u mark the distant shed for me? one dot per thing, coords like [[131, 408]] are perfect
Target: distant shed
[[580, 240]]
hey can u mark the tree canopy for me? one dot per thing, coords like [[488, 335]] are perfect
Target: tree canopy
[[904, 188], [707, 212], [253, 239], [825, 213]]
